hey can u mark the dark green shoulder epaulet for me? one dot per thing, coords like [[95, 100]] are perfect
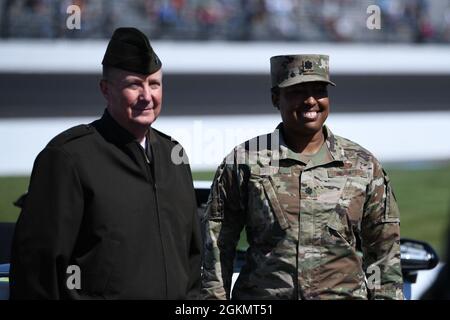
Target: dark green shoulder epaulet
[[71, 134]]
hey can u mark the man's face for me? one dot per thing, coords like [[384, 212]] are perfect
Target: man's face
[[304, 107], [134, 100]]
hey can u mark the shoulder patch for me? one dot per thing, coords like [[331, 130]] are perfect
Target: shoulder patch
[[71, 134]]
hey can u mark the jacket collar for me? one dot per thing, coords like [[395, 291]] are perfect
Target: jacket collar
[[112, 131], [124, 140], [335, 148], [335, 152]]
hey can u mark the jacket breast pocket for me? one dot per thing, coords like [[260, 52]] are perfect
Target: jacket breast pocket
[[345, 219], [266, 212], [274, 202]]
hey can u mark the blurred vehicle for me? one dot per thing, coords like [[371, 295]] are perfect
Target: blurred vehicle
[[416, 255], [4, 284]]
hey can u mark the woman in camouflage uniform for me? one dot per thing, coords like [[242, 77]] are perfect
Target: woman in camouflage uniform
[[319, 212]]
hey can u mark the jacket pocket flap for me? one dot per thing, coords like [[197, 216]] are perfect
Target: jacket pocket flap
[[275, 204]]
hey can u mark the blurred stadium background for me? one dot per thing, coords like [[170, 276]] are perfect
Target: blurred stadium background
[[392, 94]]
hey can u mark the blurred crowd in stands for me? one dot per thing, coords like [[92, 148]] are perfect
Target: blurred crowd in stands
[[236, 20]]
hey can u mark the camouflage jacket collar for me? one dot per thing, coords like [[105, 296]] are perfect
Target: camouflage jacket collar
[[334, 147], [331, 151]]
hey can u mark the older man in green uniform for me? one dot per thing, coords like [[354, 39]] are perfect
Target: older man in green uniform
[[109, 215], [319, 212]]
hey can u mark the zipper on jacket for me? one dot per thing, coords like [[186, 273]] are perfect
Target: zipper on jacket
[[160, 235], [151, 169], [298, 289], [152, 180]]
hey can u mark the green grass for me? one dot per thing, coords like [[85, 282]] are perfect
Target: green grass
[[203, 175], [423, 195], [11, 188], [424, 200]]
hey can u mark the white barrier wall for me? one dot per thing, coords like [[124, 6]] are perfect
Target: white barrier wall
[[390, 136], [82, 56]]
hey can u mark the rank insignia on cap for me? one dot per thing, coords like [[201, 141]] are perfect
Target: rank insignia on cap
[[289, 70], [307, 65]]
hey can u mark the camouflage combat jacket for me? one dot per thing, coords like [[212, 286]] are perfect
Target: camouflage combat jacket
[[320, 228]]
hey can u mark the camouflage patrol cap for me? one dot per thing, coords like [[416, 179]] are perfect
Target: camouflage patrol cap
[[287, 70], [129, 49]]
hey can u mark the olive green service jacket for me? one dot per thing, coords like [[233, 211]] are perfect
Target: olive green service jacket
[[101, 208]]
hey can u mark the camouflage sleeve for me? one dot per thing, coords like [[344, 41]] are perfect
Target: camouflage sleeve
[[223, 222], [380, 233]]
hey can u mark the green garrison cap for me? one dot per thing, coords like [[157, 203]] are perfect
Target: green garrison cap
[[129, 49], [288, 70]]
